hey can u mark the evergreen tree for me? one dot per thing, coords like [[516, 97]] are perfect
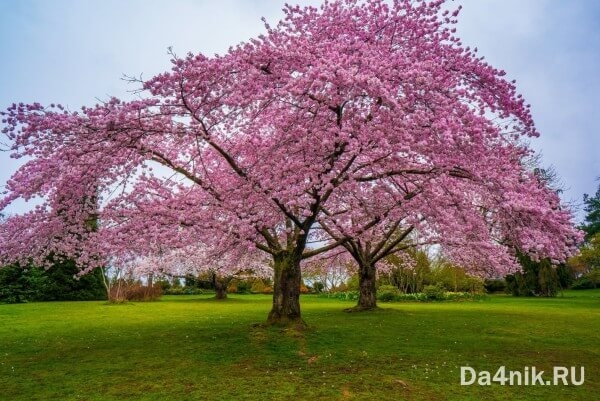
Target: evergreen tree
[[592, 219], [537, 278]]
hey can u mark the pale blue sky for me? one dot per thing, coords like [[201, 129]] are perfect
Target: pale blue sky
[[73, 52]]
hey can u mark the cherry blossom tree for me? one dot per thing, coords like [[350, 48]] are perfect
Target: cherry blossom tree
[[361, 118], [221, 265], [329, 270]]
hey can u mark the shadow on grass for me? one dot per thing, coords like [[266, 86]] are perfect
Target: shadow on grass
[[209, 299]]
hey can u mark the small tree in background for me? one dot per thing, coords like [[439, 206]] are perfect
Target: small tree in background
[[537, 278], [18, 284], [57, 283], [586, 265], [592, 218]]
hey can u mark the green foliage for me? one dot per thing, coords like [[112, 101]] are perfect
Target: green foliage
[[191, 281], [455, 278], [18, 285], [425, 271], [589, 255], [341, 295], [592, 218], [387, 293], [548, 281], [63, 284], [164, 284], [179, 290], [588, 281], [565, 275], [464, 296], [584, 283], [538, 278], [58, 283], [409, 279], [352, 284], [594, 276], [492, 286], [243, 286], [434, 292], [318, 287], [260, 286], [257, 287]]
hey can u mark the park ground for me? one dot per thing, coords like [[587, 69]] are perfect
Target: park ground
[[196, 348]]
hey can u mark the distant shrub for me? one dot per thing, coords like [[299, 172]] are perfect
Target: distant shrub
[[583, 283], [192, 291], [303, 289], [352, 284], [126, 291], [19, 285], [165, 285], [434, 293], [463, 296], [341, 288], [494, 285], [417, 296], [318, 287], [388, 293], [243, 287], [594, 275], [341, 295], [473, 285], [258, 287], [183, 291], [174, 291]]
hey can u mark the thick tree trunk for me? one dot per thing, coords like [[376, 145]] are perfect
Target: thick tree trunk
[[220, 287], [367, 297], [286, 291], [220, 290]]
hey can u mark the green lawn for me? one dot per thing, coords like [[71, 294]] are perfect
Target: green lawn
[[194, 348]]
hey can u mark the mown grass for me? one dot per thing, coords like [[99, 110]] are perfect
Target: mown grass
[[195, 348]]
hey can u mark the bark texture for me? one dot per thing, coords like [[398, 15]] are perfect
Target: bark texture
[[220, 287], [367, 297], [286, 290]]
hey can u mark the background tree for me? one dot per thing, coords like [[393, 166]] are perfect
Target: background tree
[[409, 271], [192, 262], [59, 282], [329, 271], [586, 265], [64, 283], [592, 218], [538, 278], [18, 284]]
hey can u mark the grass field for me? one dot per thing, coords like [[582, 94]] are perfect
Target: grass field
[[195, 348]]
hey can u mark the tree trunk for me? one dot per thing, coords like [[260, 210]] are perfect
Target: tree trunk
[[220, 287], [286, 290], [367, 298]]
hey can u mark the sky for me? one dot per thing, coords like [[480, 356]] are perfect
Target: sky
[[76, 52]]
